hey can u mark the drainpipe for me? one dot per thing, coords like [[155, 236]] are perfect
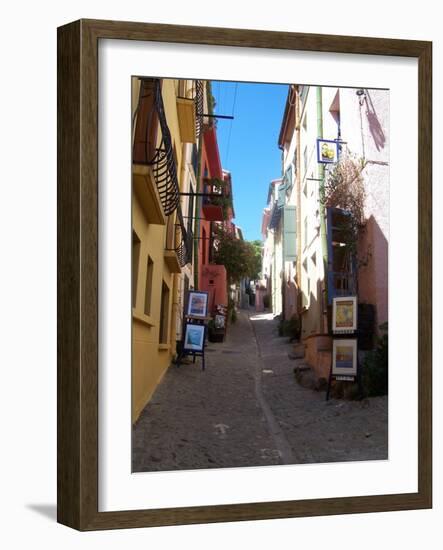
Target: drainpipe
[[178, 289], [197, 208], [321, 177], [298, 187]]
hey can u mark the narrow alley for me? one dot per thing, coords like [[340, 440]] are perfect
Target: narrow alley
[[247, 409]]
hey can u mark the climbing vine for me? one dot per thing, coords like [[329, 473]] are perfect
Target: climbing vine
[[344, 188]]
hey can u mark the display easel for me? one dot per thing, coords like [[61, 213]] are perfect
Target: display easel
[[341, 333], [343, 377], [184, 352], [195, 314]]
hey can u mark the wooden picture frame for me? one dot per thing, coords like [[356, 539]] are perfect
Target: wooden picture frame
[[77, 385]]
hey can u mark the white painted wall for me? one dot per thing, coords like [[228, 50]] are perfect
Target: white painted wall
[[312, 272]]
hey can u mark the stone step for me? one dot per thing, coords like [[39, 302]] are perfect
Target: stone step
[[298, 351], [300, 367]]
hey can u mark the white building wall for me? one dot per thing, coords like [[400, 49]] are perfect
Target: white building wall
[[312, 272], [365, 124]]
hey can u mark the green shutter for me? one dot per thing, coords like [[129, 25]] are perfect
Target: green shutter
[[281, 194], [290, 233], [288, 178]]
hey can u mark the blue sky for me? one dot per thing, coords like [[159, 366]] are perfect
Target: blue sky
[[251, 151]]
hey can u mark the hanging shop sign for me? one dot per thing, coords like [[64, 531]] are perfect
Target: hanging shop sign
[[327, 151], [344, 314]]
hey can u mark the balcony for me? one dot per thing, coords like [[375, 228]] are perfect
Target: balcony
[[217, 201], [275, 216], [180, 254], [171, 260], [186, 119], [189, 111], [341, 283], [342, 272], [145, 190], [153, 144]]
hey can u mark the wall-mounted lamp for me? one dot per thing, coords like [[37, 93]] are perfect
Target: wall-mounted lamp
[[361, 96]]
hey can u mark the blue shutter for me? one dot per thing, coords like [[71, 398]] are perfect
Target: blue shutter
[[289, 233], [330, 274]]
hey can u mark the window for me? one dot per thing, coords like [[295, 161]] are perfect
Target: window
[[303, 90], [305, 159], [185, 292], [135, 265], [305, 241], [164, 314], [194, 159], [146, 123], [191, 208], [170, 233], [182, 88], [148, 289], [335, 112]]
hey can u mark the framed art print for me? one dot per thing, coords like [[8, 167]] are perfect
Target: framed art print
[[344, 357], [198, 304], [147, 199], [344, 314], [194, 337]]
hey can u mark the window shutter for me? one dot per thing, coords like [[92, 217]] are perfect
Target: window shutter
[[330, 274], [288, 177], [281, 194], [290, 233]]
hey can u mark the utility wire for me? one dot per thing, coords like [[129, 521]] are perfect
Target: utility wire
[[230, 126]]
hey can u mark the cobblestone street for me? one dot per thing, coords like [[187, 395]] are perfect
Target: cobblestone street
[[246, 409]]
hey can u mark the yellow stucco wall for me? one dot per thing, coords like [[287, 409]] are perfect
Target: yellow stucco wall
[[150, 358]]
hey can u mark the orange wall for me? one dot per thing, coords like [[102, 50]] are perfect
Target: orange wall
[[214, 281]]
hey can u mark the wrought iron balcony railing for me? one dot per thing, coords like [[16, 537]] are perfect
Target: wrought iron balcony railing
[[198, 106], [217, 200], [341, 283], [185, 239], [275, 216], [153, 149]]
